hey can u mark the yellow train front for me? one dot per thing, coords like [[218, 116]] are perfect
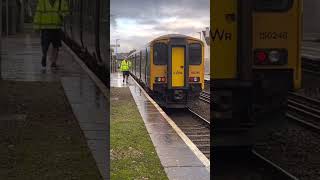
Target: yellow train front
[[255, 61], [171, 69]]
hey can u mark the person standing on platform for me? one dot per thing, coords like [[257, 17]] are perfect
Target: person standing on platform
[[124, 67], [49, 20]]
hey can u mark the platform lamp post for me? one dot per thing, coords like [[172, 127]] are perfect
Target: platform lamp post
[[117, 46], [117, 51]]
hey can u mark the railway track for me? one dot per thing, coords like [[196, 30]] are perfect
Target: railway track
[[311, 65], [304, 110], [261, 160], [247, 164], [205, 96], [311, 58], [195, 127]]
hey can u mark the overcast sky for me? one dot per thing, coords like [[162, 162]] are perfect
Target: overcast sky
[[136, 22]]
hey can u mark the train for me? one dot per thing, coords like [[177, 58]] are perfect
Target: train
[[255, 62], [87, 32], [171, 69]]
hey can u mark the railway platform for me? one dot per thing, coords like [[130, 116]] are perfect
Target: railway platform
[[178, 156], [88, 103]]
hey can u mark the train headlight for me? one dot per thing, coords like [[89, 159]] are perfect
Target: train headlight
[[194, 79], [274, 56], [160, 79], [261, 56], [270, 56]]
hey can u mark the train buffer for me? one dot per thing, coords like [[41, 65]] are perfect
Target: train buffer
[[60, 114], [175, 152]]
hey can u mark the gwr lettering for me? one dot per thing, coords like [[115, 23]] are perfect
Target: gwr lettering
[[273, 35], [222, 35]]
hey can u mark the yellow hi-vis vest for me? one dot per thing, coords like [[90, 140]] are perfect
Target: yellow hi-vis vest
[[125, 65], [49, 16]]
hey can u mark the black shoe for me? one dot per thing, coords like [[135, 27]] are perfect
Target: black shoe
[[44, 62]]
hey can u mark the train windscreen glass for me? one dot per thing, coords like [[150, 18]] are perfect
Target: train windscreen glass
[[160, 56], [195, 54], [273, 5]]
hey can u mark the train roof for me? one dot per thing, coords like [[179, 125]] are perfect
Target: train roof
[[167, 36], [174, 36]]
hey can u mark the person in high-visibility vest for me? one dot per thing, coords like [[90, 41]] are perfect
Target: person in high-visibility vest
[[49, 20], [124, 67]]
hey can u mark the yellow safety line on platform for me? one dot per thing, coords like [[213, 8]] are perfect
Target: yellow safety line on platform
[[205, 161]]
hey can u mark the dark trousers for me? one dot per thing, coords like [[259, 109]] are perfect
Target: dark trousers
[[49, 36]]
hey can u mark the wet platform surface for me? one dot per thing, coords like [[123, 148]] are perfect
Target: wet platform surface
[[176, 157], [21, 57]]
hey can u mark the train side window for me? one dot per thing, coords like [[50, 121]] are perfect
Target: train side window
[[160, 54], [195, 54], [273, 5]]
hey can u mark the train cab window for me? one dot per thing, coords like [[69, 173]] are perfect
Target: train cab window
[[273, 5], [160, 54], [195, 54]]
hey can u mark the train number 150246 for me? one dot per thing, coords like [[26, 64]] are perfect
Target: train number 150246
[[273, 35]]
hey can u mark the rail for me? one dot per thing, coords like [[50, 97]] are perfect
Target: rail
[[195, 127], [205, 96], [304, 110]]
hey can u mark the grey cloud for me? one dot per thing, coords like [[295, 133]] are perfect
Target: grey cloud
[[147, 21], [165, 27], [113, 21], [150, 9], [151, 12]]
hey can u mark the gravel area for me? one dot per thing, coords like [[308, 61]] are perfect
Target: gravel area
[[295, 149]]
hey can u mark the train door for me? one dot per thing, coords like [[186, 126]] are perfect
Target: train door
[[145, 66], [177, 68]]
